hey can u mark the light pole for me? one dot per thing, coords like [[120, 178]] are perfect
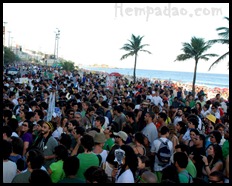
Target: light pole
[[56, 45], [58, 34], [9, 39], [4, 23], [55, 49]]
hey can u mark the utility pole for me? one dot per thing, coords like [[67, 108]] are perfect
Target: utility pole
[[9, 39], [4, 23], [56, 45], [11, 42], [58, 34]]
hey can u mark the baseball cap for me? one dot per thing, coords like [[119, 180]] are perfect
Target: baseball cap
[[121, 134]]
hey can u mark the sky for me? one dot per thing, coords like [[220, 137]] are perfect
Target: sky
[[93, 33]]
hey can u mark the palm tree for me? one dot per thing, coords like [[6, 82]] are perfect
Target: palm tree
[[195, 50], [133, 47], [224, 34]]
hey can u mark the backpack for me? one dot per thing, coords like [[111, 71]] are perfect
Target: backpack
[[164, 153], [100, 159]]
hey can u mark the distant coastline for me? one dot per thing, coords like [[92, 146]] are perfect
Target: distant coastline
[[113, 67]]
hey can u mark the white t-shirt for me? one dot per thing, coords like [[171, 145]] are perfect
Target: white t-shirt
[[103, 155], [125, 177], [154, 149], [9, 171], [57, 133], [176, 120], [150, 131]]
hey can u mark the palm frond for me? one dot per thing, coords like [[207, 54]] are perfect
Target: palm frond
[[218, 60], [221, 41], [146, 51], [183, 57], [127, 55]]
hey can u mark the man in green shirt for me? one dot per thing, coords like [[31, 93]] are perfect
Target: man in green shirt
[[181, 161]]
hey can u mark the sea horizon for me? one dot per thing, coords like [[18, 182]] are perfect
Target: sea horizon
[[210, 80], [111, 67]]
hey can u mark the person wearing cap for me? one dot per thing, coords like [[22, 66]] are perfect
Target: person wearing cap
[[47, 143], [120, 137], [210, 121], [156, 99], [99, 141]]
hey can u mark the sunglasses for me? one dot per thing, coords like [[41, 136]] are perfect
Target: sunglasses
[[212, 136], [25, 125], [71, 113]]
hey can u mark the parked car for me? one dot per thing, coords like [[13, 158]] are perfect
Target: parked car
[[12, 71]]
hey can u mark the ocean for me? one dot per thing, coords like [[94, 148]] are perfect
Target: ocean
[[202, 79]]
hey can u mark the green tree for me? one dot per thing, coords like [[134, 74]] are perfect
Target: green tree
[[133, 47], [224, 34], [67, 65], [195, 50], [9, 56]]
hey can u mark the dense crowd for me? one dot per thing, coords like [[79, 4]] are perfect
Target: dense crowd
[[69, 127]]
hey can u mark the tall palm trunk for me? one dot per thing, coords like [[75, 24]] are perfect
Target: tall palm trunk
[[194, 77], [135, 67]]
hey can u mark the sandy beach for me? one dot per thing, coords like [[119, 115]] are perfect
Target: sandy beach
[[210, 92]]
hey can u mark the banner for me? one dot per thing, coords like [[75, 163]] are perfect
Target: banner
[[23, 80], [110, 82]]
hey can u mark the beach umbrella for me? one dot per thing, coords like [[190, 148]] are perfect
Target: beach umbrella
[[115, 74], [225, 89]]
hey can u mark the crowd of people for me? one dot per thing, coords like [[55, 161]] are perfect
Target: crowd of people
[[69, 127]]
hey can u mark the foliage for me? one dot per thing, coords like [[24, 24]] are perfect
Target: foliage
[[133, 47], [67, 65], [224, 35], [9, 56], [195, 50]]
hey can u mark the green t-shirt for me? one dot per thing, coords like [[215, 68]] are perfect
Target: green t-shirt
[[225, 149], [57, 171], [71, 180], [86, 161], [184, 177], [108, 144], [191, 169], [192, 104]]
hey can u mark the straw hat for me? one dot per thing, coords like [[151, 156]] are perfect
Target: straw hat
[[92, 133], [99, 138], [211, 117]]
